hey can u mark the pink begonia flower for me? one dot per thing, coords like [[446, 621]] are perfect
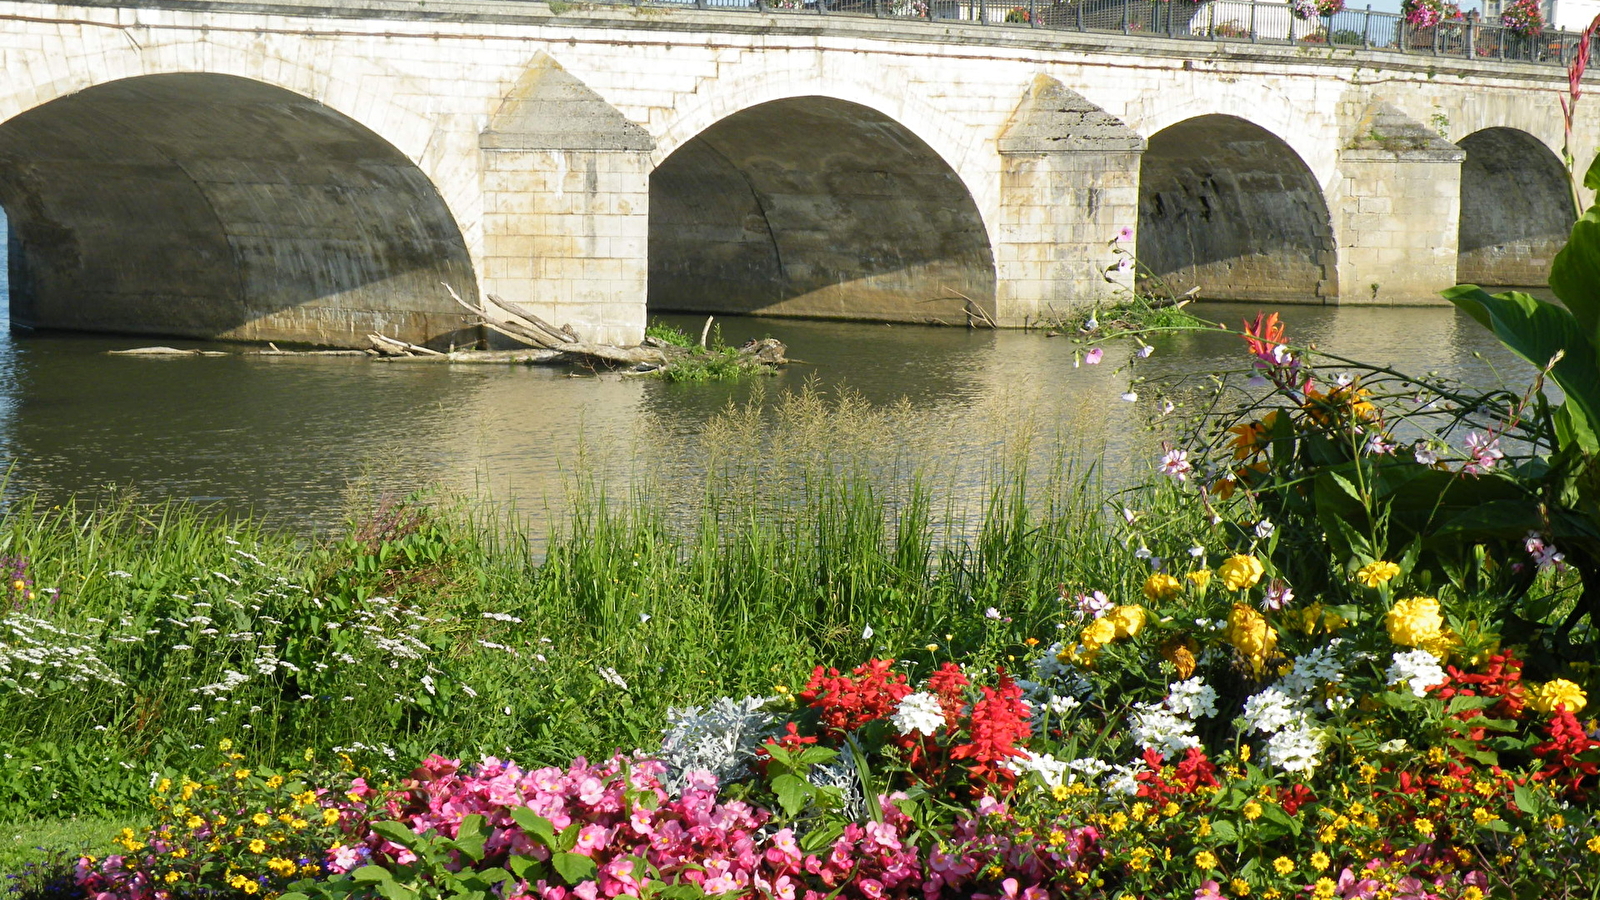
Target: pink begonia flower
[[1209, 890], [1354, 887], [587, 890]]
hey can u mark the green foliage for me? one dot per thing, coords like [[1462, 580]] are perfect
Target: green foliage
[[669, 334]]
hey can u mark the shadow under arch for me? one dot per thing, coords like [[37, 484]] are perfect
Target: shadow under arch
[[1516, 208], [816, 207], [1228, 207], [214, 206]]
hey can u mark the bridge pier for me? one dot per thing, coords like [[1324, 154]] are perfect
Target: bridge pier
[[1400, 200], [1069, 183], [566, 196]]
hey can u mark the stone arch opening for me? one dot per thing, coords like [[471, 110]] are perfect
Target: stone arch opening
[[1516, 209], [1230, 208], [213, 206], [816, 207]]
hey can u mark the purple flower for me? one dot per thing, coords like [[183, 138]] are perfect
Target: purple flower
[[1279, 595], [1125, 264], [1126, 234], [1544, 555]]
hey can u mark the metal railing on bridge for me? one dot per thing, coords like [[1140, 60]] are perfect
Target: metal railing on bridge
[[1253, 21]]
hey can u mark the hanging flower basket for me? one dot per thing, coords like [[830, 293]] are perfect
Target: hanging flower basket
[[1428, 13], [1315, 9], [1523, 17]]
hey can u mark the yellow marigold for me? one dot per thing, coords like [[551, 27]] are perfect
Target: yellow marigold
[[1100, 632], [1442, 644], [1377, 573], [1249, 632], [1560, 692], [1161, 586], [1128, 620], [1413, 621], [1593, 844], [1200, 578], [1240, 571]]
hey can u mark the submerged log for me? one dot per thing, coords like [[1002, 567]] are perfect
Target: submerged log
[[391, 347], [165, 351]]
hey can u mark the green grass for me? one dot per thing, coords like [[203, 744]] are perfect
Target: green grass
[[34, 852], [433, 624]]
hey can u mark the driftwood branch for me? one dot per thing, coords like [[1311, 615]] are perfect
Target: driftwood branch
[[391, 347]]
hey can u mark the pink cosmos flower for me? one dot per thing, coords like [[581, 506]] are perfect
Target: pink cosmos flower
[[1278, 595], [1094, 605], [1484, 452], [1175, 465]]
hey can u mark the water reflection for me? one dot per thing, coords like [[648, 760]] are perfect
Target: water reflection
[[283, 437]]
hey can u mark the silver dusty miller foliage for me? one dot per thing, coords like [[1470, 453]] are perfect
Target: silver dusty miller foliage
[[721, 739]]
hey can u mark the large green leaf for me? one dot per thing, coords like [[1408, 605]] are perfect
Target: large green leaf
[[1536, 331], [1575, 274]]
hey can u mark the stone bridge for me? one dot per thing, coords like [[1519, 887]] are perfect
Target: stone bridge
[[270, 171]]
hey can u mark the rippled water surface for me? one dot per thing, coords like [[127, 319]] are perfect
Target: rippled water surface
[[284, 437]]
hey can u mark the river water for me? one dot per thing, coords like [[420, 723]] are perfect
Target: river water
[[285, 438]]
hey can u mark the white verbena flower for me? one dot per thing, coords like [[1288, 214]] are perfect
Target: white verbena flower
[[1297, 748], [1417, 670], [918, 713], [1155, 727], [1270, 711], [1193, 698]]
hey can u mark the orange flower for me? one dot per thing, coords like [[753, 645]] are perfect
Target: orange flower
[[1263, 335]]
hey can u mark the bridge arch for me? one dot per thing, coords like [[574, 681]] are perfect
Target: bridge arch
[[821, 207], [1516, 208], [1229, 207], [209, 205]]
